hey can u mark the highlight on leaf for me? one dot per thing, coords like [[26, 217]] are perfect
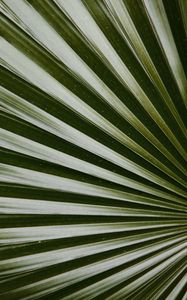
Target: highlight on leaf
[[93, 149]]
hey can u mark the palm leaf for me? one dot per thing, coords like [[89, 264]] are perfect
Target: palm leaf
[[93, 140]]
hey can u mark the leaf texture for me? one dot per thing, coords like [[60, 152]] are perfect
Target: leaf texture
[[93, 149]]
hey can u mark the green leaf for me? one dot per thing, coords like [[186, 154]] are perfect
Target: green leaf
[[93, 149]]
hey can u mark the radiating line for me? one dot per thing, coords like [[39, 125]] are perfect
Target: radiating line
[[93, 156]]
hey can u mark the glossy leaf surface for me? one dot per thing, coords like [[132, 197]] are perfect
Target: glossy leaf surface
[[93, 149]]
